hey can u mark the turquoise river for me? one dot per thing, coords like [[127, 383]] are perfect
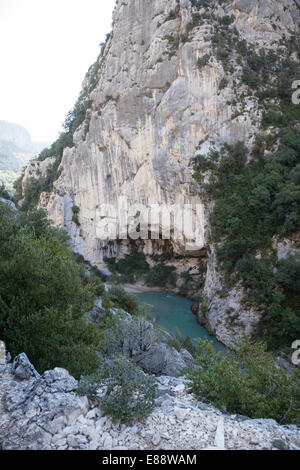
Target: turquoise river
[[173, 312]]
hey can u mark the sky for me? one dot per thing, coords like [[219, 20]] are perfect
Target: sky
[[46, 48]]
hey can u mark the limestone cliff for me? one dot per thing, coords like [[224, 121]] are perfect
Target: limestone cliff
[[161, 94]]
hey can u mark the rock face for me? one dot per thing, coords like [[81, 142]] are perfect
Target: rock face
[[18, 139], [138, 340], [22, 369], [163, 359], [45, 413], [34, 408], [225, 317], [152, 109], [16, 149], [16, 136]]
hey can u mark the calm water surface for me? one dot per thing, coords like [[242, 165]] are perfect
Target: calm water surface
[[173, 312]]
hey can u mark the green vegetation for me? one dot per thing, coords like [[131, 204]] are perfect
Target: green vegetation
[[3, 192], [161, 275], [43, 295], [247, 382], [121, 299], [130, 393], [135, 266], [268, 74], [75, 211], [254, 202]]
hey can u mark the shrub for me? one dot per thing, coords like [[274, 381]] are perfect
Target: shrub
[[130, 394], [161, 275], [4, 193], [132, 337], [203, 61], [223, 83], [247, 382], [52, 338], [37, 220], [253, 202], [98, 286], [44, 296], [123, 299]]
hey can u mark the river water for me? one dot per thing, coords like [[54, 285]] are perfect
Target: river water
[[173, 312]]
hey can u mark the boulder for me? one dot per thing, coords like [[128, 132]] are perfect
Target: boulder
[[97, 312], [38, 407], [22, 368], [182, 413], [8, 203], [59, 380], [162, 359]]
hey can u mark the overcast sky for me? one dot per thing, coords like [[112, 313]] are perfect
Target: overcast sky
[[46, 48]]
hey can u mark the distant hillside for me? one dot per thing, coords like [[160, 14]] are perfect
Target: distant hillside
[[16, 149]]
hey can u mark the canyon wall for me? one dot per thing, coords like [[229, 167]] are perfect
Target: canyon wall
[[152, 110]]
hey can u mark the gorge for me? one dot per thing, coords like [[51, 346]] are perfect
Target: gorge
[[189, 106], [175, 80], [16, 149]]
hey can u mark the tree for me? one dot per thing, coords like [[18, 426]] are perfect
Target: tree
[[44, 296], [247, 381]]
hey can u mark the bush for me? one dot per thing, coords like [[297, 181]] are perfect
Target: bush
[[44, 296], [130, 268], [75, 210], [122, 299], [180, 342], [247, 382], [130, 394], [161, 275], [203, 61], [4, 193], [75, 118], [132, 337], [254, 202], [98, 286], [223, 83]]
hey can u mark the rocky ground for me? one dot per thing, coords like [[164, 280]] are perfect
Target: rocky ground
[[44, 412]]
